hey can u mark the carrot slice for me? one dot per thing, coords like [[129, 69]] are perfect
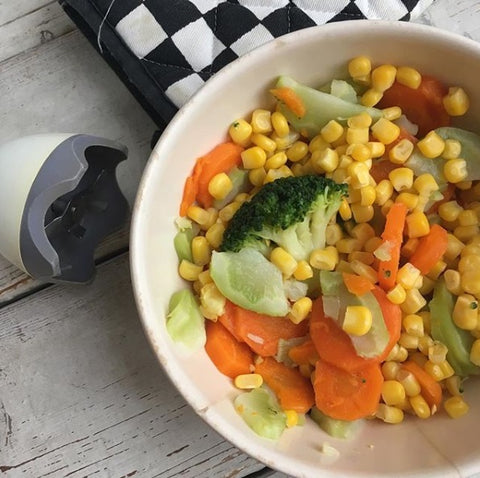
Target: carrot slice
[[220, 159], [431, 390], [347, 395], [304, 354], [393, 234], [231, 357], [261, 332], [430, 249], [423, 106], [291, 100], [357, 285], [293, 390]]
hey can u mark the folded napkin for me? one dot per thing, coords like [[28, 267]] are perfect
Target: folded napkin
[[165, 50]]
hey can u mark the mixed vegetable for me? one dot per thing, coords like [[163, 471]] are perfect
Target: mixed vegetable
[[333, 251]]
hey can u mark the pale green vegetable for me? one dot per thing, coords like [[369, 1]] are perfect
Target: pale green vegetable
[[183, 244], [250, 280], [343, 90], [261, 413], [320, 108], [334, 427], [337, 298], [185, 323]]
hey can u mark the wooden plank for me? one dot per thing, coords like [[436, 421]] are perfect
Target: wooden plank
[[11, 11], [33, 29], [81, 392], [65, 86]]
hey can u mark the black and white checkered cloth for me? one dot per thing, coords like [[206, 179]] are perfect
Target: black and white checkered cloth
[[165, 50]]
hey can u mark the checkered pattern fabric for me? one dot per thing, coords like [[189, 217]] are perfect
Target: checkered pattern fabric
[[180, 44]]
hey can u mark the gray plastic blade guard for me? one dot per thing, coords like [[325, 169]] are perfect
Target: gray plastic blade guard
[[74, 202]]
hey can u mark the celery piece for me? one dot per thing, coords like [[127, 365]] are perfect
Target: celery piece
[[261, 412], [371, 344], [240, 184], [183, 244], [343, 90], [320, 108], [458, 341], [334, 427], [185, 323], [250, 280]]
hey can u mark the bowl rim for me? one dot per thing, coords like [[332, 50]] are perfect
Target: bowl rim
[[137, 219]]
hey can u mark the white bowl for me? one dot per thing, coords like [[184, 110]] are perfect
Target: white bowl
[[435, 447]]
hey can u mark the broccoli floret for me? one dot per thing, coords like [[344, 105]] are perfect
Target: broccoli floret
[[292, 212]]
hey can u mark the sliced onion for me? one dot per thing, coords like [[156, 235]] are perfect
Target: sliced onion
[[407, 125], [332, 307], [384, 251], [256, 339]]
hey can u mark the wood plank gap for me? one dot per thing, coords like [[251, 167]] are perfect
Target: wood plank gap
[[28, 13]]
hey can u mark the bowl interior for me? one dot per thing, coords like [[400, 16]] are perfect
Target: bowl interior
[[313, 56]]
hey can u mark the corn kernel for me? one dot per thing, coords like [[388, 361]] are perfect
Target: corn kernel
[[253, 157], [454, 247], [434, 370], [368, 196], [464, 185], [384, 191], [470, 281], [359, 66], [257, 176], [317, 142], [358, 320], [389, 414], [324, 160], [357, 136], [214, 234], [466, 233], [393, 392], [409, 77], [414, 301], [425, 184], [362, 120], [227, 212], [303, 271], [189, 271], [333, 233], [397, 295], [291, 418], [359, 174], [261, 121], [465, 312], [264, 142], [452, 281], [413, 325], [248, 381], [201, 251], [392, 113], [390, 370], [344, 210], [366, 258], [385, 131], [454, 385], [339, 176], [425, 315], [324, 259], [409, 382], [449, 211], [276, 161], [447, 369], [371, 97], [420, 406], [240, 131], [281, 172], [362, 213], [284, 142], [284, 261], [425, 285], [409, 199], [199, 215], [456, 407], [408, 341], [212, 301], [297, 151], [453, 149], [358, 151], [437, 270], [377, 149], [469, 262], [372, 244], [456, 102], [417, 225], [280, 124], [409, 247], [475, 353], [455, 170], [300, 310], [220, 185], [332, 131], [432, 145], [401, 178], [383, 77], [401, 151], [362, 232]]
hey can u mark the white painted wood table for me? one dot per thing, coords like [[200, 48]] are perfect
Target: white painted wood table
[[81, 393]]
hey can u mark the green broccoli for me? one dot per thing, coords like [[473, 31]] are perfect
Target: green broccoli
[[292, 212]]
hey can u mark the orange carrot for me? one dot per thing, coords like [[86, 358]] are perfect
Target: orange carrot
[[357, 285], [231, 358], [431, 390], [292, 101], [423, 106], [293, 390], [393, 235], [430, 249], [332, 343], [260, 332], [220, 159], [304, 354], [347, 395], [392, 315]]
